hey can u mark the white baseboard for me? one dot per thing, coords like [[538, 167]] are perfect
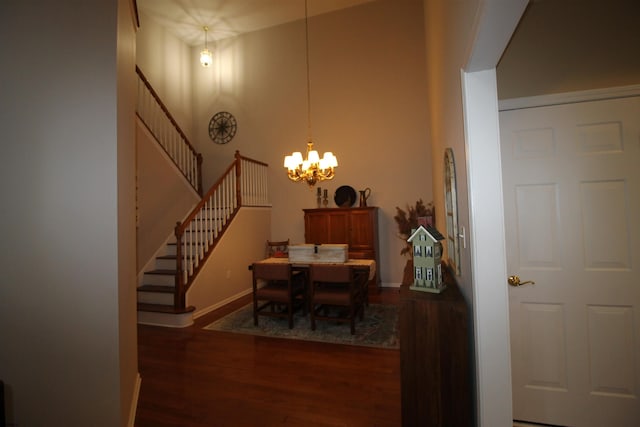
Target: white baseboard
[[134, 401], [390, 285], [206, 310], [168, 320], [525, 424]]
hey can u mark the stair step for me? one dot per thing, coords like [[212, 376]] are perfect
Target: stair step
[[162, 271], [165, 315], [171, 248], [160, 277], [152, 297], [161, 308], [156, 288], [166, 262]]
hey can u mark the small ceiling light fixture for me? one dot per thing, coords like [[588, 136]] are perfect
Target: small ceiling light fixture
[[206, 58], [313, 168]]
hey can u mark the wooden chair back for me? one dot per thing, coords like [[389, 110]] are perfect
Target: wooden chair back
[[335, 285], [271, 272], [277, 291], [331, 273], [278, 249]]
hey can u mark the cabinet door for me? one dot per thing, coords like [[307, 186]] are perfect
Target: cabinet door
[[326, 227], [338, 228], [316, 228], [362, 229]]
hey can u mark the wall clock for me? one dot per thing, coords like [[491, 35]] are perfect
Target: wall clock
[[222, 127]]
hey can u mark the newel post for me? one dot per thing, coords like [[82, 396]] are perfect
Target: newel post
[[179, 296]]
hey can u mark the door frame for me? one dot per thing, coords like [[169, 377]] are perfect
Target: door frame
[[569, 97], [487, 249], [488, 255]]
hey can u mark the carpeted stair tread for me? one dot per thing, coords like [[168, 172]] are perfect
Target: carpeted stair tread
[[161, 308]]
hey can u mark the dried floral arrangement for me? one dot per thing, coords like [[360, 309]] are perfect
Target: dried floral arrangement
[[409, 220]]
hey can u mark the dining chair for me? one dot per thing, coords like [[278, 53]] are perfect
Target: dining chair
[[363, 277], [278, 249], [277, 291], [335, 294]]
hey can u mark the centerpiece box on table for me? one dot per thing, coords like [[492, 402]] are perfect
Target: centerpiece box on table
[[309, 253]]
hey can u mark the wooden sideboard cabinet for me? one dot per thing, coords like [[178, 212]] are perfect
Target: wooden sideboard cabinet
[[357, 227], [435, 363]]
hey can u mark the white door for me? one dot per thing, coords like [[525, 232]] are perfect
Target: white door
[[571, 176]]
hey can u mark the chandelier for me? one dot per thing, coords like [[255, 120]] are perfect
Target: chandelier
[[312, 168], [206, 58]]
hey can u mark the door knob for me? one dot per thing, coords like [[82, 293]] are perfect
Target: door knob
[[515, 281]]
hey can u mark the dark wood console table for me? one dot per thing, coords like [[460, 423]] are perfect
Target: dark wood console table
[[434, 357]]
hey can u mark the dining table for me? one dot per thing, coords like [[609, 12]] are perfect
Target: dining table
[[360, 265], [365, 269]]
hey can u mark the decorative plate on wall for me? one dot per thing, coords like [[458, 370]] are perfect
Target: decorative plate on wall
[[345, 196], [222, 127]]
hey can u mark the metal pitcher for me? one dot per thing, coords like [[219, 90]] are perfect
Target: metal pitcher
[[364, 195]]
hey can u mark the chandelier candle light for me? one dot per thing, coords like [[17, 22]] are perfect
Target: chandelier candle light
[[206, 58], [312, 168]]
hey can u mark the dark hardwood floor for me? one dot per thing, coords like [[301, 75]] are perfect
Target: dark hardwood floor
[[196, 377]]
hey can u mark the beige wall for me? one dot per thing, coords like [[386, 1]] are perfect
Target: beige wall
[[166, 63], [164, 196], [226, 276], [564, 46], [368, 92], [449, 32], [368, 96], [67, 313]]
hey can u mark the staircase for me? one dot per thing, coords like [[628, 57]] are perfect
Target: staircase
[[157, 294], [162, 293]]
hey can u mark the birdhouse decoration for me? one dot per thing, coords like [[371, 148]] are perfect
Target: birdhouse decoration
[[427, 253]]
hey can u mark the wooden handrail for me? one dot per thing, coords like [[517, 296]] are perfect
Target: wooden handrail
[[208, 221], [200, 205], [164, 108], [197, 182]]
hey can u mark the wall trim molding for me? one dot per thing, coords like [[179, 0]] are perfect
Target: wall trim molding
[[207, 310], [569, 97], [134, 400]]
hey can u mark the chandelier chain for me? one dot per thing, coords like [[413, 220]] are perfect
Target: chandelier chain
[[306, 29], [312, 168]]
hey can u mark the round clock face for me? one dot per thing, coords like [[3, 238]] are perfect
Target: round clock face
[[222, 127]]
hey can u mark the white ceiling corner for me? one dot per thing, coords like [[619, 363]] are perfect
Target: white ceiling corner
[[228, 18]]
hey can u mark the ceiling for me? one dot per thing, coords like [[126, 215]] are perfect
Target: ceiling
[[227, 18]]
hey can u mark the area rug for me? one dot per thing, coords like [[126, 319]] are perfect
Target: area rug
[[379, 327]]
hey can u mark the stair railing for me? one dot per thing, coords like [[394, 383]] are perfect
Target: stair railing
[[156, 117], [244, 183]]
